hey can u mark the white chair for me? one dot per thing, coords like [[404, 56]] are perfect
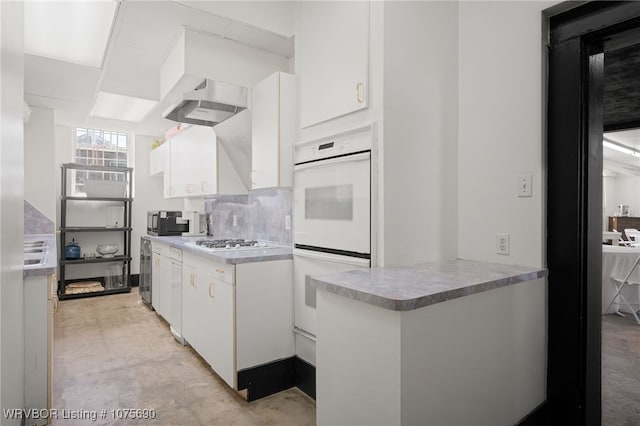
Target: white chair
[[620, 284]]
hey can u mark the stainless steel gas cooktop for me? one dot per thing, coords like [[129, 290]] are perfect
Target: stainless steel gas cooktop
[[229, 244]]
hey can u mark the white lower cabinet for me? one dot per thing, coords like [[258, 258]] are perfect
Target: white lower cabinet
[[208, 319], [40, 303], [218, 329], [237, 316], [161, 279]]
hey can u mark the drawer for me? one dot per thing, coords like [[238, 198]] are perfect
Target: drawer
[[176, 254], [220, 271], [223, 272], [160, 248]]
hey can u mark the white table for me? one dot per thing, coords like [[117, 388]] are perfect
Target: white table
[[616, 261], [613, 236]]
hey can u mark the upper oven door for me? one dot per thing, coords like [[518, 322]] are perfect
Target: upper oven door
[[332, 203]]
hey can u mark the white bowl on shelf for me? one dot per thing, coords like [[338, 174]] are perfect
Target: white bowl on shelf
[[107, 250]]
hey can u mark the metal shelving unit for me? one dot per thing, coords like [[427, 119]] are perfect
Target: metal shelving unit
[[65, 231]]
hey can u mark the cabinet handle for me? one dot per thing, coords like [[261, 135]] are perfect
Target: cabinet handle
[[210, 291], [220, 271], [188, 188], [203, 185], [54, 309], [359, 87], [194, 280]]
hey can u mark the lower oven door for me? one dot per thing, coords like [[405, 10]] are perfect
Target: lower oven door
[[307, 263], [332, 203]]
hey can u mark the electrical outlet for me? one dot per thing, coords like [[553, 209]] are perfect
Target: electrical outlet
[[524, 186], [287, 222], [235, 220], [502, 243]]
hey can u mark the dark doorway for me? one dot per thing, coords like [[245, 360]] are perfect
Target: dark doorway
[[575, 124]]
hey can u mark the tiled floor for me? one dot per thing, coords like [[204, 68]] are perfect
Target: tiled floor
[[620, 371], [114, 353]]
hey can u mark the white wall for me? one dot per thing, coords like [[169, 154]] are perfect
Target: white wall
[[11, 207], [39, 169], [500, 130], [622, 190], [147, 196], [419, 151]]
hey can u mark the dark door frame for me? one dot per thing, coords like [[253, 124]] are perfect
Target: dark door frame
[[574, 200]]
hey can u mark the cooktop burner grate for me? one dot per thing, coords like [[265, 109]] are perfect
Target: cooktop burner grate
[[229, 243]]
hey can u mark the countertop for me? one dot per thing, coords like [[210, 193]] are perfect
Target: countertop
[[50, 256], [275, 252], [413, 287]]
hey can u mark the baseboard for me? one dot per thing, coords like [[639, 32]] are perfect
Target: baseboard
[[538, 417], [305, 377], [267, 379]]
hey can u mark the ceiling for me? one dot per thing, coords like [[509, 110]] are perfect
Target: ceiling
[[143, 34]]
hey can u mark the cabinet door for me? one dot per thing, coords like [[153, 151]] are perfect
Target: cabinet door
[[156, 277], [179, 160], [175, 288], [156, 160], [164, 269], [199, 161], [190, 306], [218, 328], [272, 131], [334, 59], [264, 132]]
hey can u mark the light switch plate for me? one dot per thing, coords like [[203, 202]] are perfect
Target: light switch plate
[[524, 186]]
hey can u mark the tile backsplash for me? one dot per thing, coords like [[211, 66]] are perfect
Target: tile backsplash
[[260, 215], [35, 222]]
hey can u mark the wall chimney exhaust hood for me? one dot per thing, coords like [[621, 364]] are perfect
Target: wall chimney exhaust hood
[[210, 103]]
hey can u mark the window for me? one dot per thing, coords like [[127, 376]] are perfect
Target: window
[[99, 148]]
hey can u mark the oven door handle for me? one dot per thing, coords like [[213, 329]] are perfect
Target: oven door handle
[[355, 261], [364, 156]]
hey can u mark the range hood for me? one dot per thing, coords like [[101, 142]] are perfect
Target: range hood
[[210, 103]]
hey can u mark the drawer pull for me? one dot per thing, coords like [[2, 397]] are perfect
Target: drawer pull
[[194, 280], [359, 87], [220, 271], [211, 291]]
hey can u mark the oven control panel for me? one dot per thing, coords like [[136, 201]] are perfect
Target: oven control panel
[[341, 144]]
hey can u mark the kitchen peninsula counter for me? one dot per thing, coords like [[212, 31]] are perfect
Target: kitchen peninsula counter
[[413, 287], [457, 342], [274, 252]]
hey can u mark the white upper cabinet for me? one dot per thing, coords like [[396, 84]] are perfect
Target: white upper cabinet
[[272, 130], [156, 159], [197, 165], [333, 54]]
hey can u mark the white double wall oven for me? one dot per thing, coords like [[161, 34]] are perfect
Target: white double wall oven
[[332, 212]]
